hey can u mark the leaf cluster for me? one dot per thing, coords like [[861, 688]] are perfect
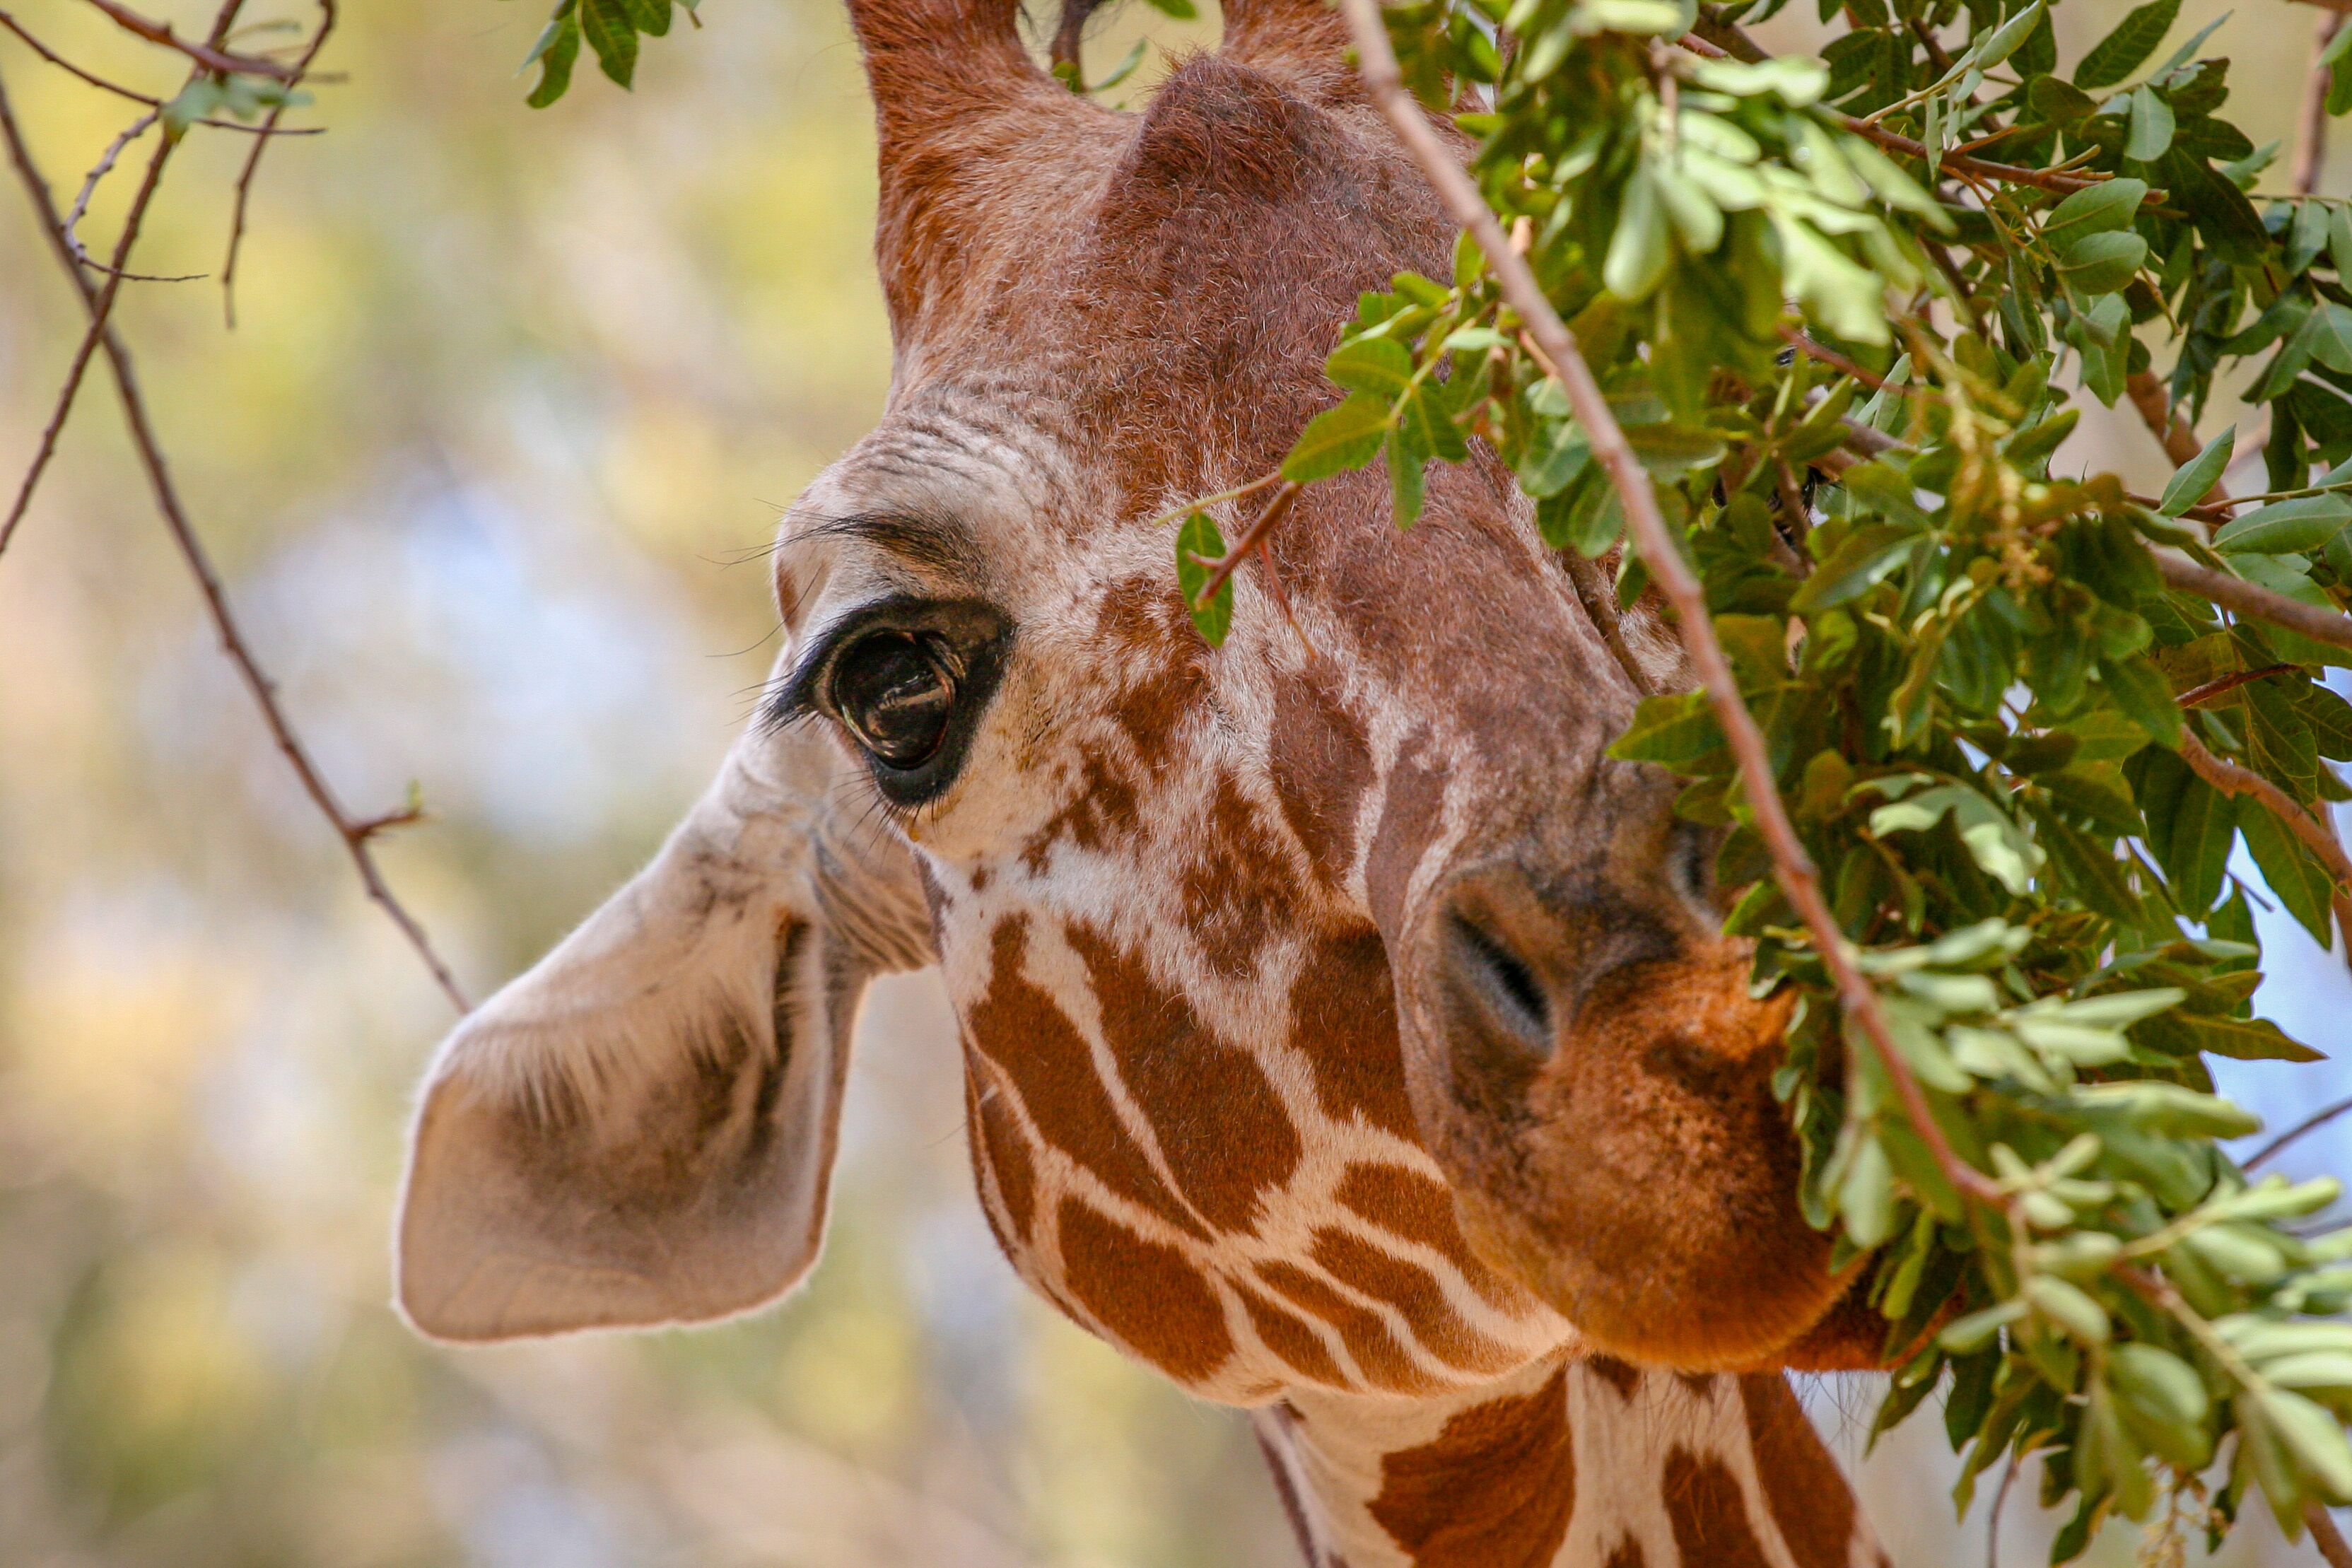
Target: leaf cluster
[[2003, 737]]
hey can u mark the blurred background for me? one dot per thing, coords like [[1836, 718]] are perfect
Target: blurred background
[[489, 463]]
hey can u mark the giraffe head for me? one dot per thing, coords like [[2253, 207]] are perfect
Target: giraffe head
[[1335, 1013]]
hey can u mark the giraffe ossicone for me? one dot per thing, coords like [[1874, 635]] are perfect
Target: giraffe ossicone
[[1344, 1034]]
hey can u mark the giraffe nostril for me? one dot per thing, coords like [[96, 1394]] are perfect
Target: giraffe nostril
[[1500, 979]]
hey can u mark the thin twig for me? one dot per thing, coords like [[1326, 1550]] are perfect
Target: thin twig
[[2244, 598], [2231, 778], [355, 833], [1992, 1518], [1225, 566], [1792, 867], [2195, 695], [2311, 135], [11, 24], [209, 55], [101, 310], [2326, 1536], [253, 162], [1841, 364], [130, 133], [2312, 1123], [53, 58]]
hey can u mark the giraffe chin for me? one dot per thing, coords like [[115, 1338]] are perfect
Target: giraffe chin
[[1640, 1177]]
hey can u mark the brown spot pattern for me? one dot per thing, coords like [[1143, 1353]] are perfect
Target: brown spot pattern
[[1293, 1341], [1102, 810], [1409, 820], [1383, 1361], [1239, 888], [998, 1141], [1807, 1496], [1148, 1296], [1627, 1553], [1343, 1015], [1708, 1516], [1496, 1489], [1024, 1031], [1322, 765], [1417, 1207], [1415, 1292], [1220, 1126]]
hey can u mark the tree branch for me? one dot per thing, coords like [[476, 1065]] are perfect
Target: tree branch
[[355, 833], [2232, 779], [2311, 131], [1792, 867], [2326, 1536], [208, 55], [253, 162], [101, 310], [2244, 598], [52, 57]]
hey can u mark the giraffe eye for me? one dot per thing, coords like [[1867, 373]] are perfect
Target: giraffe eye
[[895, 693]]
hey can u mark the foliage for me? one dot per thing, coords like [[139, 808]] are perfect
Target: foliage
[[1993, 722]]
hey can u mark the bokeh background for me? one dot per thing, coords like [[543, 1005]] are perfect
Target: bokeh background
[[491, 461]]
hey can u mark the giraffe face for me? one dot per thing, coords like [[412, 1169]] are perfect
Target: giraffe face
[[1334, 1014]]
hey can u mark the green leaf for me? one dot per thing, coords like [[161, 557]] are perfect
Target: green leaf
[[557, 49], [1379, 365], [649, 16], [1865, 556], [1675, 731], [2005, 38], [2243, 1039], [2285, 527], [1127, 67], [2195, 478], [2300, 883], [2140, 689], [2135, 38], [1555, 461], [1407, 484], [2330, 326], [2339, 220], [1638, 249], [2101, 263], [606, 25], [1347, 436], [1198, 543], [2151, 127]]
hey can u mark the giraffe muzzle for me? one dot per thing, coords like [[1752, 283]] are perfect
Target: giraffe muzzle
[[1593, 1074]]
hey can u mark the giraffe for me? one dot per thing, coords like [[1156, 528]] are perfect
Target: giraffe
[[1343, 1036]]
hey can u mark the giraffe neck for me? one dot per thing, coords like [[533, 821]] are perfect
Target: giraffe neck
[[1571, 1463]]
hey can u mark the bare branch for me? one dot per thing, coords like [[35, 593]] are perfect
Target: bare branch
[[355, 833], [2244, 598], [2311, 1123], [208, 55], [11, 24], [130, 133], [253, 162], [2326, 1536], [2229, 778], [2197, 696], [101, 310], [2311, 131], [1792, 867], [1225, 566]]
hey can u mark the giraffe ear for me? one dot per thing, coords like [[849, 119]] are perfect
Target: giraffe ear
[[641, 1128]]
